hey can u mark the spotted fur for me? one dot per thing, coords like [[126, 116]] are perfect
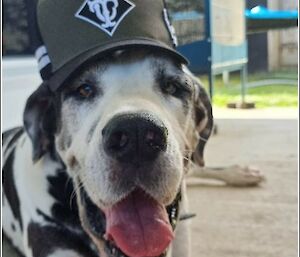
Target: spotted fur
[[57, 177]]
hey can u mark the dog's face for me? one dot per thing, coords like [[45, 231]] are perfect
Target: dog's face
[[124, 128]]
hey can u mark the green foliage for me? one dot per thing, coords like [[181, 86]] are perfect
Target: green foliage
[[263, 97]]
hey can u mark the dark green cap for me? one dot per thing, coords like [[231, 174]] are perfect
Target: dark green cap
[[75, 31]]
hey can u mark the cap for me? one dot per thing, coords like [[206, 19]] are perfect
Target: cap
[[76, 31]]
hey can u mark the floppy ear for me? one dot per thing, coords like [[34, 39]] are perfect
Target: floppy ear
[[39, 121], [203, 121]]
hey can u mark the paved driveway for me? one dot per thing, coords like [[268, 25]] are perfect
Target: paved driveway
[[250, 222]]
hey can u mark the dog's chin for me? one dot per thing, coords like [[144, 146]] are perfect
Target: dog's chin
[[136, 226]]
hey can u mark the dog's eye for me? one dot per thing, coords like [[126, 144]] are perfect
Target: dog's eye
[[176, 89], [170, 88], [85, 91]]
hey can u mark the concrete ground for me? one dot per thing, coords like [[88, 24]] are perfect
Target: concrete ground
[[247, 222]]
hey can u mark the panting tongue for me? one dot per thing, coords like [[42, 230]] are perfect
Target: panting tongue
[[139, 226]]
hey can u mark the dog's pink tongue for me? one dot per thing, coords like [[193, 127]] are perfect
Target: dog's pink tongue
[[139, 226]]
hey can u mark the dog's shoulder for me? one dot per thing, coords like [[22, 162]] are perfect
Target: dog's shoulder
[[39, 194], [46, 183], [9, 141]]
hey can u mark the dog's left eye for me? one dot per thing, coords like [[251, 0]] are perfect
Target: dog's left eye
[[174, 88], [85, 91], [170, 88]]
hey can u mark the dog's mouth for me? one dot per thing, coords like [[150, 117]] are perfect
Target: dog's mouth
[[137, 226]]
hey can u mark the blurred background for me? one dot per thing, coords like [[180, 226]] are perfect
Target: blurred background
[[246, 54]]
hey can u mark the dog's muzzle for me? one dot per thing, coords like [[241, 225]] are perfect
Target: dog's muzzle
[[134, 137], [137, 225]]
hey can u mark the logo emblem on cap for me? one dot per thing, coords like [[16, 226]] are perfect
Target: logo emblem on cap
[[105, 14]]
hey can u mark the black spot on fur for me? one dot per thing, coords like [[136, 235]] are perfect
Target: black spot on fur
[[94, 218], [202, 108], [47, 218], [9, 137], [44, 240], [183, 86], [13, 227], [199, 115], [65, 208], [9, 187]]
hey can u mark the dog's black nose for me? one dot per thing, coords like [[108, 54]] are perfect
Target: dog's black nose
[[134, 138]]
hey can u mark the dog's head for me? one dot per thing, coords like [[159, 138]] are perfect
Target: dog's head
[[125, 127]]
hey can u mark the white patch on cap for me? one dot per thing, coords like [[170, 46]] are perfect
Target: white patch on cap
[[105, 14], [170, 28]]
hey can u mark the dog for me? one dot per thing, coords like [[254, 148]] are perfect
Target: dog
[[100, 166]]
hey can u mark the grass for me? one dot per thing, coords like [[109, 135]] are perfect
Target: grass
[[263, 97]]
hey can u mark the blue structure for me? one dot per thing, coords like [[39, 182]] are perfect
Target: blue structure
[[212, 56], [261, 19], [260, 12]]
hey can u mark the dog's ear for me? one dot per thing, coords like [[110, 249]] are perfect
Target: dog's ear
[[39, 120], [203, 118]]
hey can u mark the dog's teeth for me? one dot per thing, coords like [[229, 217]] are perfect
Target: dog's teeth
[[173, 213]]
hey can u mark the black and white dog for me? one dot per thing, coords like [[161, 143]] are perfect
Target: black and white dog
[[99, 168]]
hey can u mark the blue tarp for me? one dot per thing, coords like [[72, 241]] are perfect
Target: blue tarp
[[260, 12]]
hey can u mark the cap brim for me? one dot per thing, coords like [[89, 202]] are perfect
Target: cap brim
[[62, 74]]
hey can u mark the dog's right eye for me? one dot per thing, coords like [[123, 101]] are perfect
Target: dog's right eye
[[85, 91]]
